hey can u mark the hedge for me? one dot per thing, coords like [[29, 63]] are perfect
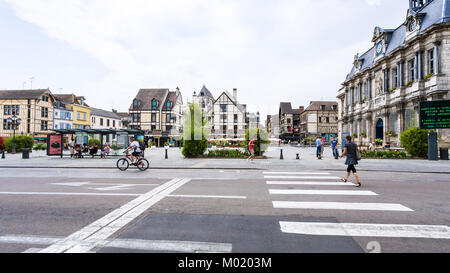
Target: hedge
[[228, 154], [384, 154]]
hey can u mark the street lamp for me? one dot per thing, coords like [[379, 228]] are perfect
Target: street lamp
[[14, 122]]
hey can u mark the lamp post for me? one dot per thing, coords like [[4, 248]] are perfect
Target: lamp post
[[14, 122], [258, 134]]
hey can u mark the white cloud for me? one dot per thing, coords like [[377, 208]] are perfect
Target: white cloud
[[272, 51]]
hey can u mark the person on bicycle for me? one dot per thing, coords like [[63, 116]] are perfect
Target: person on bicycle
[[135, 147]]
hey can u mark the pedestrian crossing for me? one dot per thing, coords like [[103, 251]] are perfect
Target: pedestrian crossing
[[321, 183]]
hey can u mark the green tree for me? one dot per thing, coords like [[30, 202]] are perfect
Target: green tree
[[194, 133], [261, 138], [94, 140], [415, 142]]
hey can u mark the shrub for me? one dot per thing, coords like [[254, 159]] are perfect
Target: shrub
[[415, 142], [21, 142], [40, 147], [384, 154], [228, 154], [94, 140], [194, 125]]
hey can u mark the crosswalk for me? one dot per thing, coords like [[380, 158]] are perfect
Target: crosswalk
[[299, 184]]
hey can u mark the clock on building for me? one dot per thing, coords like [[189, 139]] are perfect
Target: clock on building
[[380, 48]]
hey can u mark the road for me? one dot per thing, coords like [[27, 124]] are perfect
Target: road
[[265, 207]]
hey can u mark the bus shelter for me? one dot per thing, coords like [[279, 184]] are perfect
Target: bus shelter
[[120, 136]]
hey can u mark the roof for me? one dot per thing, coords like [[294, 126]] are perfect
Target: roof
[[122, 114], [146, 96], [104, 113], [23, 94], [286, 108], [70, 98], [172, 97], [435, 12], [205, 93], [316, 106]]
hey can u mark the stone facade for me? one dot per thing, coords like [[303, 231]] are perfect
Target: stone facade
[[380, 97], [320, 119]]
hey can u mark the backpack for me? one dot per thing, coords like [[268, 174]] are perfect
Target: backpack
[[142, 147], [358, 154]]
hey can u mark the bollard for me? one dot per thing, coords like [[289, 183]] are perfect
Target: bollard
[[3, 154], [298, 156], [281, 155], [167, 156]]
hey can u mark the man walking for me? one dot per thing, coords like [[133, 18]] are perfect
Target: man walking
[[319, 148], [334, 144]]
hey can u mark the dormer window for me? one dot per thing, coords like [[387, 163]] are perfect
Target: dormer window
[[155, 104], [169, 105]]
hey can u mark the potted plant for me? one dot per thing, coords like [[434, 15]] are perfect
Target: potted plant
[[428, 76], [391, 133], [379, 142], [363, 135], [355, 135]]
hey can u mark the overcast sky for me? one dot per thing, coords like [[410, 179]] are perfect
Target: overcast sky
[[271, 50]]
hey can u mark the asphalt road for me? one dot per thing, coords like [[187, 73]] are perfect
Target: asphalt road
[[267, 209]]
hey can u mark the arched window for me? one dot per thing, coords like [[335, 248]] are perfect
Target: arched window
[[169, 105], [155, 104]]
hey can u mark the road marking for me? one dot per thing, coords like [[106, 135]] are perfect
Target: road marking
[[69, 193], [302, 177], [367, 230], [309, 183], [339, 206], [149, 245], [299, 173], [321, 192], [114, 186], [90, 236], [207, 196]]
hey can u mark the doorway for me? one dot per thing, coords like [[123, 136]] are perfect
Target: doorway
[[380, 129]]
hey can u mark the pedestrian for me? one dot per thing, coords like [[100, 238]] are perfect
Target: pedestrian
[[319, 148], [334, 144], [371, 146], [251, 148], [71, 146], [93, 150], [352, 159]]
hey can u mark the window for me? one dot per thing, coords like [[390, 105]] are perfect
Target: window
[[288, 120], [395, 77], [320, 119], [430, 62], [168, 117], [154, 117], [412, 70], [235, 118], [169, 105], [328, 120], [84, 116], [153, 127], [136, 117], [44, 112], [45, 98], [107, 123], [101, 122], [93, 120], [168, 128], [114, 124], [224, 128], [334, 107], [155, 104], [224, 118], [6, 125], [223, 108], [44, 125], [235, 129]]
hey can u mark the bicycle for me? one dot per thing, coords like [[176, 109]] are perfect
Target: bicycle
[[124, 163]]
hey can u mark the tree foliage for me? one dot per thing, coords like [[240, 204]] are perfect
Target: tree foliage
[[194, 134], [261, 138], [21, 143]]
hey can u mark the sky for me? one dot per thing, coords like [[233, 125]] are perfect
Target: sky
[[272, 51]]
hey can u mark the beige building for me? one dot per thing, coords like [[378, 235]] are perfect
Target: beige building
[[380, 97], [158, 112], [33, 107], [320, 119]]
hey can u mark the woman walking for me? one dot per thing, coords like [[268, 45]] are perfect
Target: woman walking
[[352, 160], [251, 148]]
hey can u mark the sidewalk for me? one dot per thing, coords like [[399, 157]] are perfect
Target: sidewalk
[[307, 162]]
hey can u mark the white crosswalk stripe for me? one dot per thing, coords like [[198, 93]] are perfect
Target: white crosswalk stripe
[[367, 230], [341, 229], [321, 192]]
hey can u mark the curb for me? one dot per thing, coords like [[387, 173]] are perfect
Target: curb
[[151, 168]]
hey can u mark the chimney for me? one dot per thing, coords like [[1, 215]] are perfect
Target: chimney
[[302, 108], [235, 93]]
